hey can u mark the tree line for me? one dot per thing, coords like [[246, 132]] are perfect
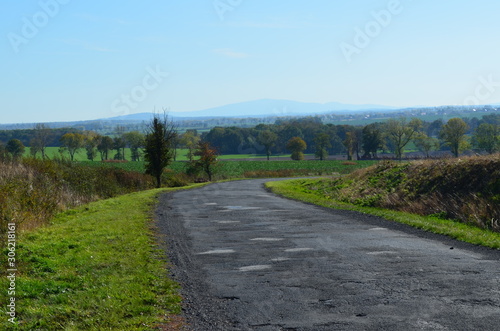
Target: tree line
[[286, 136], [310, 135]]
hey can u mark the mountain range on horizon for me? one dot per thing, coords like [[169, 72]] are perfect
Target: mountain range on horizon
[[263, 108]]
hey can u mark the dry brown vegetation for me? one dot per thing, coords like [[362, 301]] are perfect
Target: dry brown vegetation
[[32, 191], [464, 189]]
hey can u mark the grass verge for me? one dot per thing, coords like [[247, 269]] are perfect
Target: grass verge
[[96, 267], [297, 189]]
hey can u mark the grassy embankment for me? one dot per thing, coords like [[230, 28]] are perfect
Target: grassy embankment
[[456, 197], [33, 191], [96, 267]]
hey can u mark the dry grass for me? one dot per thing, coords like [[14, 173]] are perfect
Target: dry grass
[[465, 189]]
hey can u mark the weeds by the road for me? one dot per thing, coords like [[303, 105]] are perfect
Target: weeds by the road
[[96, 267], [465, 189], [300, 189], [32, 191]]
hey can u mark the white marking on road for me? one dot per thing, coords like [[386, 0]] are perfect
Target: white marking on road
[[255, 267], [265, 196], [218, 251], [210, 204], [293, 250], [266, 239], [241, 208], [381, 253], [227, 222], [378, 229]]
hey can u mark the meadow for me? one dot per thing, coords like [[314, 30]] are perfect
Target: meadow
[[53, 152], [256, 169]]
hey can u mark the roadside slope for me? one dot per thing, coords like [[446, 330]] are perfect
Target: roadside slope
[[94, 267], [465, 189]]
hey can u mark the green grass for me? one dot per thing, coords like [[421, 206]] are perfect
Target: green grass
[[238, 169], [297, 189], [96, 267]]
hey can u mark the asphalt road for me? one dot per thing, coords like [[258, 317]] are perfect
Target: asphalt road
[[249, 260]]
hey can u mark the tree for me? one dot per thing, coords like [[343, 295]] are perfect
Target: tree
[[425, 143], [157, 151], [487, 137], [104, 146], [400, 133], [297, 146], [41, 139], [322, 144], [3, 153], [268, 139], [72, 142], [190, 140], [350, 143], [16, 148], [208, 158], [34, 148], [90, 143], [119, 145], [453, 134], [134, 140], [373, 140]]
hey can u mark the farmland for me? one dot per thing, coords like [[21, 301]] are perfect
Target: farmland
[[250, 169]]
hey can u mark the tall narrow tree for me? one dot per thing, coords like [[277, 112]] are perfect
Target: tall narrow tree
[[157, 152]]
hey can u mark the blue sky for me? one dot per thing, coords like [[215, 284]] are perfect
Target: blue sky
[[75, 60]]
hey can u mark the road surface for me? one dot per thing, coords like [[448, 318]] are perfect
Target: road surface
[[249, 260]]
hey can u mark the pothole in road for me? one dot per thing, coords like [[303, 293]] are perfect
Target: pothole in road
[[255, 267], [218, 251]]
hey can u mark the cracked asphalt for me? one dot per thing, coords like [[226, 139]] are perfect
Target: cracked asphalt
[[249, 260]]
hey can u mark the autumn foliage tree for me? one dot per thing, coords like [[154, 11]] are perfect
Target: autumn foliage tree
[[207, 158], [297, 146]]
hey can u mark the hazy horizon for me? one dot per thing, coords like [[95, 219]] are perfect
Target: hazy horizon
[[68, 61]]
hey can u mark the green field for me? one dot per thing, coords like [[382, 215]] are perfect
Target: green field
[[239, 169], [53, 152]]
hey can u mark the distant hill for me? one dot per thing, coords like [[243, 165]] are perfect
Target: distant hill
[[252, 113], [263, 108]]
